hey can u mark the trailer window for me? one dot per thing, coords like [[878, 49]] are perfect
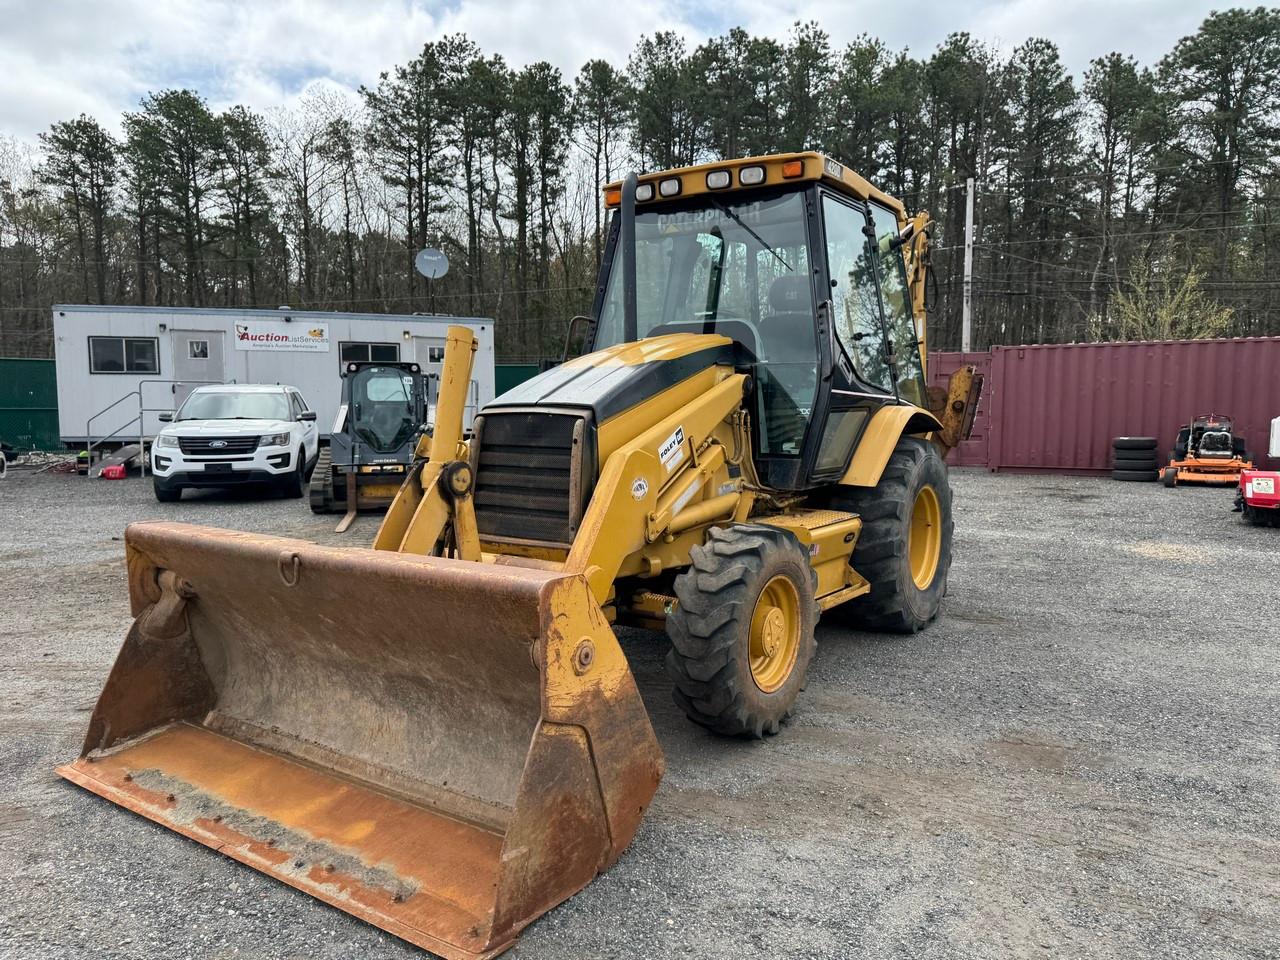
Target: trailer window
[[353, 352], [123, 355]]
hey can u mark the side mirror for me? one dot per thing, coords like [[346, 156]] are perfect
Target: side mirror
[[307, 415], [166, 417]]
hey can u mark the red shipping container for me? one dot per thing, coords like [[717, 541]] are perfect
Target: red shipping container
[[1056, 407]]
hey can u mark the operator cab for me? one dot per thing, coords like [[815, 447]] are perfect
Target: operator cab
[[801, 264], [385, 403]]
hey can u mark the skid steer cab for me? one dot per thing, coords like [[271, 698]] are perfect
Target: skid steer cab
[[382, 416], [442, 734]]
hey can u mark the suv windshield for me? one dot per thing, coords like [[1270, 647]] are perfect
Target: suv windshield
[[223, 405], [741, 269]]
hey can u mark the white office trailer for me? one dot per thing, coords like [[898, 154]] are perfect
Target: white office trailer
[[118, 368]]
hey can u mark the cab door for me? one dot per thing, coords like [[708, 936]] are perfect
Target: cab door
[[861, 378], [904, 341]]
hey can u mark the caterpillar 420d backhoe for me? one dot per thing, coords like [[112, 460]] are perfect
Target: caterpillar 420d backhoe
[[441, 734]]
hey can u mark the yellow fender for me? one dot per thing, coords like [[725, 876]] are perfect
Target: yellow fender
[[888, 425]]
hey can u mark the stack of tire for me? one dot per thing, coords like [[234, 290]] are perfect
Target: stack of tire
[[1135, 459]]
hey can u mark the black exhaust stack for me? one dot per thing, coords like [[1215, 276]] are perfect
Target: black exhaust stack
[[630, 326]]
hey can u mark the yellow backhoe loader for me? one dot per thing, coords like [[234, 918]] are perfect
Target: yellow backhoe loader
[[441, 735]]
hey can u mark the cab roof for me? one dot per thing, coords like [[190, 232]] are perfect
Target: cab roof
[[778, 168]]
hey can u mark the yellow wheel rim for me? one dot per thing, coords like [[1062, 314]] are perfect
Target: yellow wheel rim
[[924, 543], [775, 634]]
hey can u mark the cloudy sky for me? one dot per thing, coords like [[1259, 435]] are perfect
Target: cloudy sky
[[60, 58]]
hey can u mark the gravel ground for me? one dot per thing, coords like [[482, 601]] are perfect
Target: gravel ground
[[1078, 760]]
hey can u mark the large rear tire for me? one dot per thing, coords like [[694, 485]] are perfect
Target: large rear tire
[[742, 633], [904, 550]]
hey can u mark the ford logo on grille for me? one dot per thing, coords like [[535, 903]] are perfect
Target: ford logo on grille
[[218, 443]]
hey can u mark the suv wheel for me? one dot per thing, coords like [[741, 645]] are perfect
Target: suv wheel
[[294, 484], [164, 492]]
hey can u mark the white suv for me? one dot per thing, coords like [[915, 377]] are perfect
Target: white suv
[[231, 434]]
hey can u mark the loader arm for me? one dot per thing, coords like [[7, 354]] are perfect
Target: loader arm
[[434, 502], [655, 486]]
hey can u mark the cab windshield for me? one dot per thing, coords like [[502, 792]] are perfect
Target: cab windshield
[[225, 405], [741, 269], [384, 411]]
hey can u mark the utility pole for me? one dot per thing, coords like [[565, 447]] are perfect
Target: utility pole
[[966, 320]]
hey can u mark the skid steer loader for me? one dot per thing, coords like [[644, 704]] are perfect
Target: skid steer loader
[[382, 416], [441, 735]]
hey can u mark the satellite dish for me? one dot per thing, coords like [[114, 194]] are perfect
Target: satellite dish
[[431, 263]]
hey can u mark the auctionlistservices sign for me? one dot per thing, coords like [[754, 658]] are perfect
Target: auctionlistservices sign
[[281, 335]]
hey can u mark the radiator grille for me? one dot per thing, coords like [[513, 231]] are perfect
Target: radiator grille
[[523, 477], [217, 446]]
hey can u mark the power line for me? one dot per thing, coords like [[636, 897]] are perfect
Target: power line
[[1056, 266], [1097, 175], [1113, 236]]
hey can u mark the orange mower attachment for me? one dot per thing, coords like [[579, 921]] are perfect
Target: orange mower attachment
[[1201, 470]]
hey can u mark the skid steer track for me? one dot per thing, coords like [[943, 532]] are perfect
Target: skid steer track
[[442, 748]]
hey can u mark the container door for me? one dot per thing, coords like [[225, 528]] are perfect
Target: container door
[[197, 358]]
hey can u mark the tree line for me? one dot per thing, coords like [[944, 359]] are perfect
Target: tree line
[[1130, 202]]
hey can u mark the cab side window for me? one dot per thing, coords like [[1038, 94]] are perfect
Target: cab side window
[[899, 320], [854, 296]]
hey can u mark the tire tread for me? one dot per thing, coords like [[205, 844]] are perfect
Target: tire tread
[[706, 661]]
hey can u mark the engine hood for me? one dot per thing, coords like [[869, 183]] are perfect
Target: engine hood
[[617, 378], [224, 428]]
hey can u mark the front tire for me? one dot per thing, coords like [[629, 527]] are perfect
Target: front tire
[[742, 634], [294, 484], [1257, 517], [904, 550], [164, 492]]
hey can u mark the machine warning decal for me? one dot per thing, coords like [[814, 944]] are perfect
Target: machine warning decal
[[671, 451], [639, 488]]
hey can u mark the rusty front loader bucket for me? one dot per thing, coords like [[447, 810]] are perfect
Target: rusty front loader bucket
[[442, 748]]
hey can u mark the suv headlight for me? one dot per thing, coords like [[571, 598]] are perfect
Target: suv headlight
[[166, 440], [276, 440]]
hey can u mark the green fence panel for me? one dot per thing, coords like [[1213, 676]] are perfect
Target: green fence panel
[[29, 404], [508, 375]]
